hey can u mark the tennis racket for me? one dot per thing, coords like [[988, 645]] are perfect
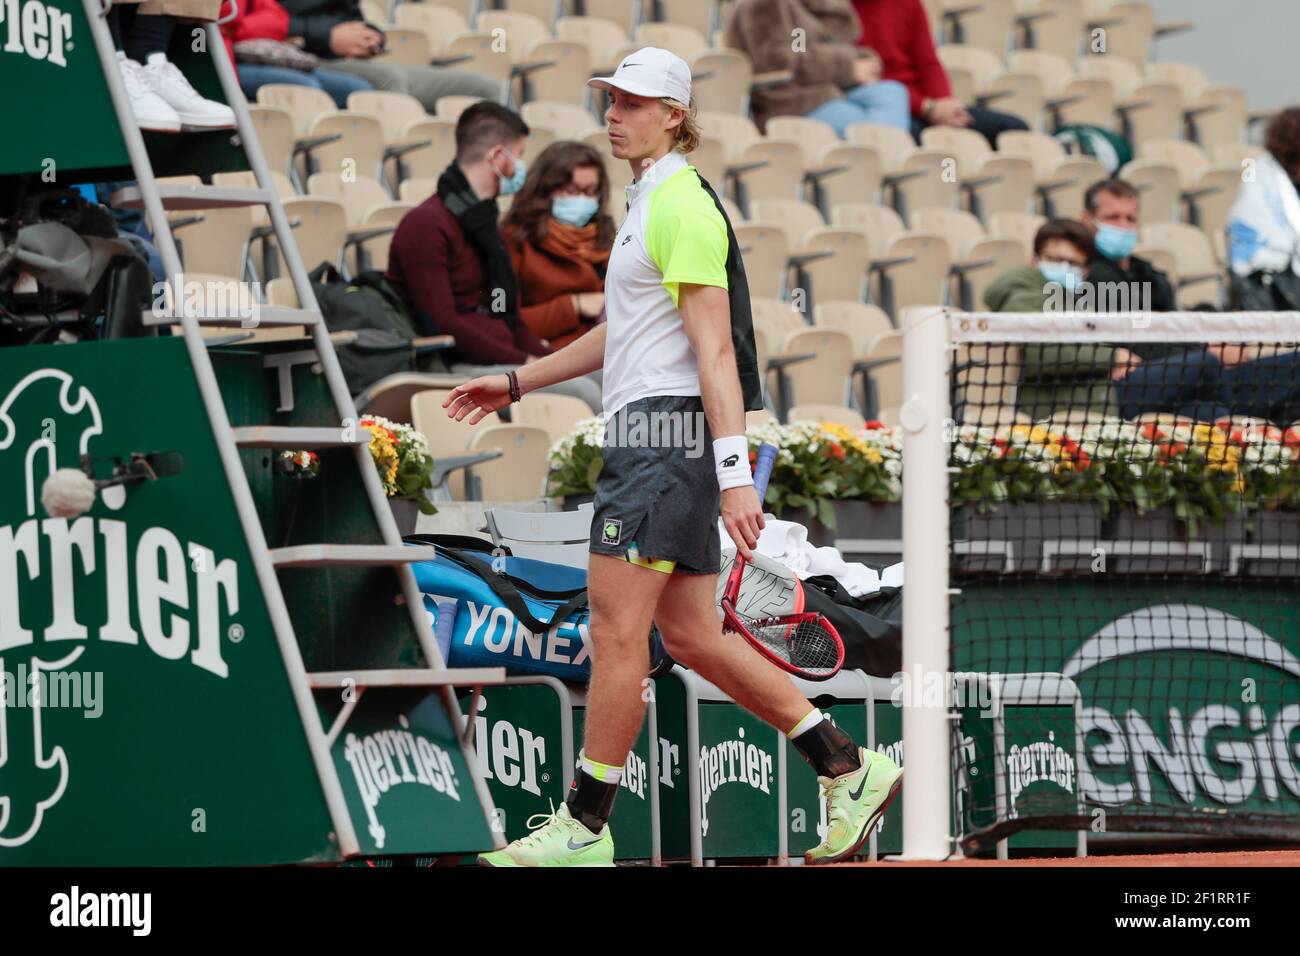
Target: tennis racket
[[805, 644]]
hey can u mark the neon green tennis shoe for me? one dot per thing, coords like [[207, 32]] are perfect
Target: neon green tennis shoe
[[854, 803], [558, 840]]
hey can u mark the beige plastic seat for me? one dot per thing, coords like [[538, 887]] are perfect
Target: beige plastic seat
[[823, 379], [437, 22], [1054, 170], [1146, 108], [520, 474], [541, 67], [710, 161], [1054, 26], [986, 24], [556, 414], [601, 37], [566, 120], [878, 224], [722, 80], [703, 16], [321, 233], [450, 107], [970, 69], [685, 41], [1018, 226], [1157, 184], [758, 167], [626, 13], [544, 10], [913, 178], [417, 190], [863, 322], [404, 122], [274, 127], [211, 293], [990, 182], [837, 414], [1235, 154], [450, 439], [1201, 278], [913, 271], [1188, 158], [995, 256], [832, 265], [1215, 192], [405, 47], [1212, 113], [765, 252], [859, 169], [796, 217], [280, 292]]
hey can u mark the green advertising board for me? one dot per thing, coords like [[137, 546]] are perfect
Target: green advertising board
[[733, 771], [407, 786], [887, 737], [633, 820], [522, 738], [1190, 687], [160, 727], [805, 808]]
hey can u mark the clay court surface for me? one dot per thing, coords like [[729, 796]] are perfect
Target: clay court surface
[[1217, 858]]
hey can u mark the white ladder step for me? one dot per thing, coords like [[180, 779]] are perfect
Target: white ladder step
[[348, 555], [407, 677], [254, 317], [274, 436], [192, 197]]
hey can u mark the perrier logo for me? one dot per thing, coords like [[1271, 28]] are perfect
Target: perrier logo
[[102, 582], [611, 531]]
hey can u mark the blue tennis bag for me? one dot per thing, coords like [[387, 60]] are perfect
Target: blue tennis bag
[[528, 616]]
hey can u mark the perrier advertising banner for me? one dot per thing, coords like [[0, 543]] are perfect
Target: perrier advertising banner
[[145, 715]]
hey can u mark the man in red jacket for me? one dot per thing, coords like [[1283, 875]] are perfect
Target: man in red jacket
[[899, 31], [449, 262]]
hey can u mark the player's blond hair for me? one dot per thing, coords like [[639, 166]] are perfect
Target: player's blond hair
[[686, 137]]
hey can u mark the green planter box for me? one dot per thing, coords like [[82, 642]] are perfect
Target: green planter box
[[866, 531]]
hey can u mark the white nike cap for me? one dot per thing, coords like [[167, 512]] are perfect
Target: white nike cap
[[650, 71]]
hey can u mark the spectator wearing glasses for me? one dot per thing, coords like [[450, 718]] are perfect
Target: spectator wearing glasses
[[559, 238]]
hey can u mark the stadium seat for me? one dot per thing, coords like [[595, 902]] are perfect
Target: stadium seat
[[437, 22], [986, 24], [765, 251], [685, 41], [601, 38], [722, 80], [990, 182], [520, 474], [404, 46], [280, 292], [321, 233], [275, 134], [1146, 108], [1054, 171], [913, 270], [372, 216], [1158, 185], [541, 67], [450, 107], [417, 190], [1018, 226], [913, 178], [626, 13], [970, 69], [822, 379], [1201, 278], [360, 147], [703, 16], [1053, 26], [452, 439], [566, 120], [971, 270], [556, 414], [561, 537], [757, 168], [838, 172]]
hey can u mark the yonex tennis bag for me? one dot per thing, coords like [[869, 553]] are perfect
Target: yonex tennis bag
[[528, 616]]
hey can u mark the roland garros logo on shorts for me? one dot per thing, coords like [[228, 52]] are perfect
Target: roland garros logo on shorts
[[611, 531]]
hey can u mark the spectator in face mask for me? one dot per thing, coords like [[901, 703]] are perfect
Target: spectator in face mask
[[559, 239], [1059, 377], [1111, 210]]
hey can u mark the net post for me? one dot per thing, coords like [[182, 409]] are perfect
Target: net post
[[926, 743]]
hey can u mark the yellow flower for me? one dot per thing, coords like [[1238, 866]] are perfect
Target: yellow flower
[[1038, 434], [873, 456]]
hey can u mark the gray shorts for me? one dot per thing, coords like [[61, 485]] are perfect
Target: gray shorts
[[657, 494]]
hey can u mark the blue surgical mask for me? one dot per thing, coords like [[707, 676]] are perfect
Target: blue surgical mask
[[1068, 277], [516, 182], [574, 210], [1114, 243]]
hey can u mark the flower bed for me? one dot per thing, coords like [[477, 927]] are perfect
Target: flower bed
[[1199, 472]]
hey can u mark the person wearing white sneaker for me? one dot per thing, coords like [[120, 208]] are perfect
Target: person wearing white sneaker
[[161, 97]]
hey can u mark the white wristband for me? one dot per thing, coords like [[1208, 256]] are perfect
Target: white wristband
[[731, 460]]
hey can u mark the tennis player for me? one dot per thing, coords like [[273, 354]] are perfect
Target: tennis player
[[678, 341]]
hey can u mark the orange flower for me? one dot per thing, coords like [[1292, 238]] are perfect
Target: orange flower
[[1152, 432], [835, 450], [874, 423]]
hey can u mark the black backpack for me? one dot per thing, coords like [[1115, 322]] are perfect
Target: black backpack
[[367, 305]]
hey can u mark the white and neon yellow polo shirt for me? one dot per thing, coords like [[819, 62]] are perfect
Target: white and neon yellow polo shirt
[[673, 233]]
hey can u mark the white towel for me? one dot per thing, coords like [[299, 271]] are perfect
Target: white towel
[[787, 542]]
